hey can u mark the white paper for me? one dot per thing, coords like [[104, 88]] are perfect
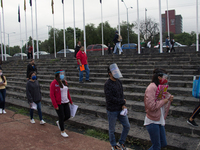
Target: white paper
[[124, 112], [73, 109], [34, 106]]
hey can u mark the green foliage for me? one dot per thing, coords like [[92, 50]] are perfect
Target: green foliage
[[185, 38], [97, 134]]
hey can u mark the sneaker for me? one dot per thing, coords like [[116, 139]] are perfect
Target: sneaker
[[81, 82], [192, 123], [64, 134], [32, 121], [122, 146], [42, 122], [116, 147], [4, 112], [88, 81], [0, 111], [57, 122]]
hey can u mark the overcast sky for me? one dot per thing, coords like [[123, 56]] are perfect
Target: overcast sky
[[186, 8]]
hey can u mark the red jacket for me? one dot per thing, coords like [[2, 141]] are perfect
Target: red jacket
[[82, 57], [55, 94]]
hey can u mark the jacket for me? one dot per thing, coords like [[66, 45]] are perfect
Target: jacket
[[55, 94], [82, 56], [152, 107], [31, 68], [115, 40], [33, 92], [76, 50]]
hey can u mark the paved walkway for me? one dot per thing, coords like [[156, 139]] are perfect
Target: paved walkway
[[16, 132]]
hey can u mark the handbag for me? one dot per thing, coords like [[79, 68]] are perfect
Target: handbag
[[196, 88], [73, 109]]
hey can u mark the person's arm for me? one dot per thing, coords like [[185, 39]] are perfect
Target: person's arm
[[79, 62], [5, 83], [52, 95], [69, 97], [28, 94]]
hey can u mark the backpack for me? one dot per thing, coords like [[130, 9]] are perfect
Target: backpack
[[119, 38], [196, 88]]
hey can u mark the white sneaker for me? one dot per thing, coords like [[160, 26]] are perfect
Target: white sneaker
[[64, 134], [4, 112], [57, 122], [32, 121], [0, 111], [42, 122]]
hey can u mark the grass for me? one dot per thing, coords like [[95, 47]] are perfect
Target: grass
[[22, 111], [97, 134], [54, 60]]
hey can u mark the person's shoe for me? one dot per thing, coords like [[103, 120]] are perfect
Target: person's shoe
[[42, 122], [122, 53], [122, 146], [32, 121], [4, 112], [116, 147], [88, 81], [57, 122], [81, 82], [64, 134], [0, 111], [192, 123]]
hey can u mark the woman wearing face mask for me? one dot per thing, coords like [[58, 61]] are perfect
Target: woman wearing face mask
[[156, 111], [33, 94], [60, 98], [3, 83]]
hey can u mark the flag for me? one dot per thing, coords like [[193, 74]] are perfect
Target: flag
[[62, 1], [52, 3], [100, 1], [31, 3], [2, 3], [24, 5], [19, 14]]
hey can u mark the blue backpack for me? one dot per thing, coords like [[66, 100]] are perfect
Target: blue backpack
[[196, 88]]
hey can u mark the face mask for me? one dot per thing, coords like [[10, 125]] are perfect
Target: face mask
[[163, 81], [1, 73], [62, 76], [33, 77]]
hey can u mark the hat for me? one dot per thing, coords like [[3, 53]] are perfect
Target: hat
[[59, 71], [116, 31]]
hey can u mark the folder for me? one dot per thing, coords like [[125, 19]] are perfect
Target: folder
[[82, 68]]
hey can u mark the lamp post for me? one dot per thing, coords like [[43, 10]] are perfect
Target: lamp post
[[127, 19], [8, 40]]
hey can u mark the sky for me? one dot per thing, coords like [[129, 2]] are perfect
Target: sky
[[186, 8]]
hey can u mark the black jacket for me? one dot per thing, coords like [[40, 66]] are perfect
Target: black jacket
[[33, 92], [115, 40], [30, 68], [76, 50], [114, 95]]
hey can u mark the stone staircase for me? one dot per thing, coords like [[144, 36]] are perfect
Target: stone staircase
[[137, 72]]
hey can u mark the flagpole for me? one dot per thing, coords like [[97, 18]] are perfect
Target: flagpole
[[197, 30], [138, 27], [84, 27], [1, 41], [102, 28], [160, 27], [25, 24], [36, 30], [4, 31], [168, 20], [54, 37], [19, 20], [119, 25], [74, 25], [64, 29], [32, 30]]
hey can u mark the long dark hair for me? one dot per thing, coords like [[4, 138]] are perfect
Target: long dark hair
[[57, 77], [30, 74], [158, 73], [2, 77]]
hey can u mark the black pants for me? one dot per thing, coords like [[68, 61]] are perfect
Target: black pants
[[2, 98], [196, 111], [167, 49], [172, 48], [63, 114]]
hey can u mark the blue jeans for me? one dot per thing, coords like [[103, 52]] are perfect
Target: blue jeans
[[87, 70], [38, 109], [157, 136], [112, 118], [117, 46], [2, 98]]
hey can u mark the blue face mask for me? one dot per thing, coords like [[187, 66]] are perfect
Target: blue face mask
[[62, 76], [33, 77]]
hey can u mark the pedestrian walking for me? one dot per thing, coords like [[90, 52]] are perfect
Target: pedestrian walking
[[156, 110], [60, 98], [167, 44], [78, 46], [115, 103], [109, 48], [195, 113], [34, 96], [82, 61], [3, 84], [117, 39], [30, 52], [31, 67], [172, 44]]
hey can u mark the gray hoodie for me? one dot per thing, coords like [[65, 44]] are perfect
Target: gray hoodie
[[33, 92]]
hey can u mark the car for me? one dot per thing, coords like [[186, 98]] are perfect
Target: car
[[129, 46], [176, 44], [96, 47], [42, 53], [67, 51], [19, 54], [7, 55]]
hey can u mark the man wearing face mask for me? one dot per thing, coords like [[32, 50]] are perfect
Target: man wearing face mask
[[31, 67], [82, 60], [115, 102]]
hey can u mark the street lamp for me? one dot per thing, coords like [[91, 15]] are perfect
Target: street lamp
[[127, 19], [8, 40]]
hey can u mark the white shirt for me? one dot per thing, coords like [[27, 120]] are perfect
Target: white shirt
[[64, 94], [148, 121]]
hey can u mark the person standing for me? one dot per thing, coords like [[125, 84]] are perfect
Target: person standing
[[167, 44], [30, 52], [117, 43], [78, 46], [60, 97], [109, 48], [82, 60], [172, 43], [34, 96], [149, 44], [156, 110], [31, 67], [115, 102], [3, 83]]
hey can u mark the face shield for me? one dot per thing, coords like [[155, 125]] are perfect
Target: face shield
[[165, 79], [115, 71]]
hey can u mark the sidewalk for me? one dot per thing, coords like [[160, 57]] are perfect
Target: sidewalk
[[16, 132]]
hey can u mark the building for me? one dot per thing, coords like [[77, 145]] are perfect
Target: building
[[175, 22]]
